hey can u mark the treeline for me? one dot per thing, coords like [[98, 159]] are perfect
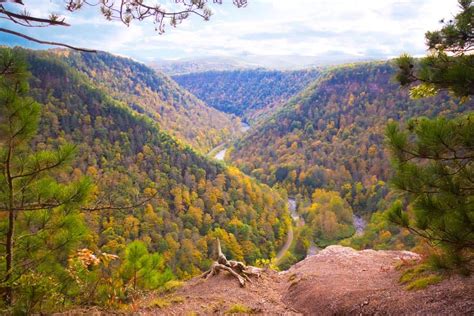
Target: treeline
[[332, 135], [152, 93], [162, 193], [246, 93]]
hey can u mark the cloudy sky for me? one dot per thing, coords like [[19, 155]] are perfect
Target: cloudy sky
[[370, 29]]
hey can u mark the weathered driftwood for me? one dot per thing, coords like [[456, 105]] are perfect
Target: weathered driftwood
[[237, 269]]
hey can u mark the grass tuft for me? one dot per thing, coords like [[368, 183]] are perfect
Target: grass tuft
[[171, 286], [162, 302], [240, 309], [159, 302], [424, 282], [420, 277]]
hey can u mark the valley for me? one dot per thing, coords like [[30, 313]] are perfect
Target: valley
[[219, 151], [250, 94], [191, 181]]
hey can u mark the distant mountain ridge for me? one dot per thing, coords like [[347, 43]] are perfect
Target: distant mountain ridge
[[194, 65], [248, 61], [250, 94]]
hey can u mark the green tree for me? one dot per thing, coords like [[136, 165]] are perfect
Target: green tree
[[144, 270], [433, 159], [451, 62], [329, 216], [40, 221]]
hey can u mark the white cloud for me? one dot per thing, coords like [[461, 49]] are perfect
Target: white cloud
[[266, 27]]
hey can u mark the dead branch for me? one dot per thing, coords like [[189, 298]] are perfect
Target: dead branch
[[237, 269]]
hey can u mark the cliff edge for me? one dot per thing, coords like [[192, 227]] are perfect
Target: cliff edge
[[337, 280]]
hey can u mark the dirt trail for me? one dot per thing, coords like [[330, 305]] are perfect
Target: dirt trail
[[337, 280]]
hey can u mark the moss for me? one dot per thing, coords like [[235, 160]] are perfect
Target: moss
[[414, 273], [424, 282], [159, 302], [420, 277], [162, 302], [171, 286], [240, 309]]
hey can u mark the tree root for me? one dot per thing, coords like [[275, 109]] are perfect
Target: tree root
[[236, 268]]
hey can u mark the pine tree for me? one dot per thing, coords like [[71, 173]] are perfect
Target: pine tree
[[144, 270], [434, 165], [40, 220], [450, 65], [434, 159]]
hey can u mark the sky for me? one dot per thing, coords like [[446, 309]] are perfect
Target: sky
[[325, 29]]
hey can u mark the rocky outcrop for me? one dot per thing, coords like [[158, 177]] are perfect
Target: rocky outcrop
[[337, 280]]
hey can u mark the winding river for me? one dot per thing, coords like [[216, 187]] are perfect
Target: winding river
[[359, 223], [222, 148]]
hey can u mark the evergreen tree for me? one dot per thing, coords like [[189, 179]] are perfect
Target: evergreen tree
[[434, 164], [433, 159], [451, 62], [40, 221], [142, 269]]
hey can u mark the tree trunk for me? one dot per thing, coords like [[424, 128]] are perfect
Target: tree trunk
[[8, 296], [9, 258], [236, 268]]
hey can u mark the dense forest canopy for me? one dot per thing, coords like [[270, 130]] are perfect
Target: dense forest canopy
[[250, 94], [128, 156], [331, 134], [111, 191], [125, 148], [156, 95]]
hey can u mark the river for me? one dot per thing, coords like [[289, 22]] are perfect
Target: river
[[299, 222], [222, 148], [220, 154], [289, 238], [359, 223]]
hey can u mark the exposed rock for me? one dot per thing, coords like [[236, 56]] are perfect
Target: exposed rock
[[337, 280]]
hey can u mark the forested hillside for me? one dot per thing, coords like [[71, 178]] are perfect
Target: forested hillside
[[148, 91], [332, 134], [128, 156], [246, 93]]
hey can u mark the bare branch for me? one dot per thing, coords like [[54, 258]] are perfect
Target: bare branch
[[29, 19], [46, 42], [115, 207]]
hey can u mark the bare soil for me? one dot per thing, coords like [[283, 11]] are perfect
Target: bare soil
[[338, 280]]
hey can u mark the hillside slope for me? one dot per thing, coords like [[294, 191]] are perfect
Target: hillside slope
[[337, 280], [247, 93], [332, 134], [127, 155], [158, 96]]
